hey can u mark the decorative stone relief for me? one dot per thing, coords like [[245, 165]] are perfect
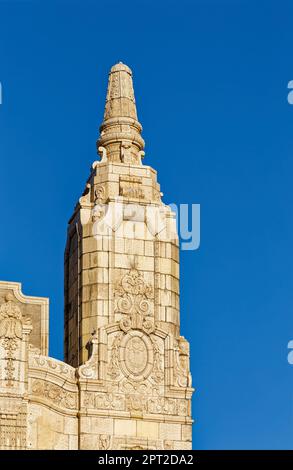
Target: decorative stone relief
[[33, 350], [113, 368], [104, 401], [136, 358], [103, 154], [181, 366], [169, 406], [158, 372], [11, 335], [104, 442], [99, 194], [131, 187], [126, 155], [98, 212], [136, 403], [89, 370], [55, 394], [13, 430], [134, 297], [58, 367]]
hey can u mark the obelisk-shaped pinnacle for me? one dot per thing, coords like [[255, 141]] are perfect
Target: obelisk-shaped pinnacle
[[120, 139]]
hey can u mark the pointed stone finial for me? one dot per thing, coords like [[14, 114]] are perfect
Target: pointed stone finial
[[121, 130], [120, 101]]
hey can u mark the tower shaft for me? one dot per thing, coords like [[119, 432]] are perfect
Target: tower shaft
[[122, 323]]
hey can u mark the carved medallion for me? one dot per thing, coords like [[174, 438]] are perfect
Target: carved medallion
[[136, 355]]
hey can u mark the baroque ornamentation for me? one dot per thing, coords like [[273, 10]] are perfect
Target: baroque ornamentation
[[169, 406], [136, 355], [181, 366], [136, 403], [133, 298], [13, 431], [11, 332], [34, 350], [89, 370], [99, 194], [85, 199], [103, 154], [137, 398], [54, 393], [158, 372], [10, 319], [104, 401], [58, 367], [141, 388], [114, 369]]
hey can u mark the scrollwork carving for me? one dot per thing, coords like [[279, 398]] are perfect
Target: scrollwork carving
[[57, 367], [89, 370], [134, 298], [104, 401], [85, 199], [54, 393]]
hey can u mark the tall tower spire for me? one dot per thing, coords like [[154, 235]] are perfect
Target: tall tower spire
[[122, 319], [120, 139]]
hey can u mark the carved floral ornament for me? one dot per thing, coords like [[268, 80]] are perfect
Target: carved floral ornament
[[11, 333], [134, 350], [136, 397], [134, 299], [54, 393]]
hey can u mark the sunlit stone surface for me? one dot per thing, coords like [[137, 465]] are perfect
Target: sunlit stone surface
[[125, 382]]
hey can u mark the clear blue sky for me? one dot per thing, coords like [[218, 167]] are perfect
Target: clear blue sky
[[211, 87]]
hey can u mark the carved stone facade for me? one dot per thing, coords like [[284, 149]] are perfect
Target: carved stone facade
[[125, 382]]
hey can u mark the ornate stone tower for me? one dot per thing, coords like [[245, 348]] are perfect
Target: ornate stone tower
[[125, 383], [122, 323]]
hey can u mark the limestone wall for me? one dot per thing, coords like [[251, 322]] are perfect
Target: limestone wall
[[133, 392]]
